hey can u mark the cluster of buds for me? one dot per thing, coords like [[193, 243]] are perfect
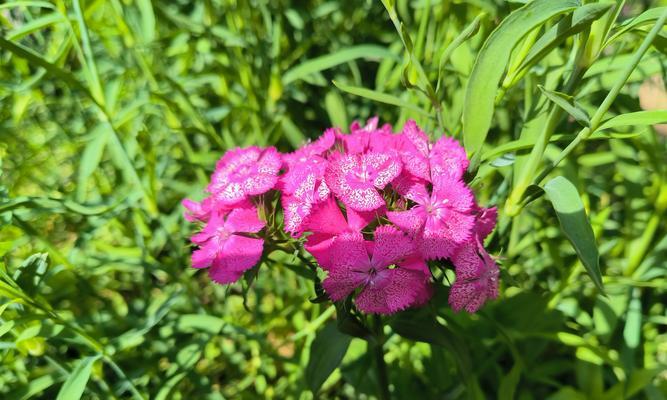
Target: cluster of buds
[[373, 208]]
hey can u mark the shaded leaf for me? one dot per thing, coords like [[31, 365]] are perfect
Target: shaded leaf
[[326, 353]]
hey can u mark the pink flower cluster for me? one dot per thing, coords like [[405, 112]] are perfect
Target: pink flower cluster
[[374, 207]]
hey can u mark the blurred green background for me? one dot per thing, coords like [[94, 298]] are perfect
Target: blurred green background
[[113, 111]]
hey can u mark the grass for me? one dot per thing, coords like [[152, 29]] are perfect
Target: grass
[[112, 112]]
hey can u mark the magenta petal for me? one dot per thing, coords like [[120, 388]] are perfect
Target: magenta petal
[[313, 149], [448, 159], [295, 213], [213, 229], [486, 221], [476, 277], [240, 253], [410, 221], [382, 167], [466, 296], [391, 246], [243, 172], [340, 283], [319, 246], [204, 256], [244, 220], [415, 263], [414, 153], [197, 211], [349, 251], [417, 137], [326, 217], [458, 196], [398, 292], [355, 178], [224, 276], [302, 176], [403, 184], [441, 238], [357, 220]]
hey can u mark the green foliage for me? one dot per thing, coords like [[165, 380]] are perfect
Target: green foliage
[[112, 112]]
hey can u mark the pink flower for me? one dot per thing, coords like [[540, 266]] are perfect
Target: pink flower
[[318, 148], [476, 277], [448, 159], [303, 186], [368, 138], [356, 178], [485, 221], [197, 211], [387, 272], [440, 221], [298, 205], [445, 158], [415, 151], [244, 172], [326, 222], [225, 247]]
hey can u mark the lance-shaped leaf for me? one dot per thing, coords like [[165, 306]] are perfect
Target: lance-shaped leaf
[[492, 61], [570, 211]]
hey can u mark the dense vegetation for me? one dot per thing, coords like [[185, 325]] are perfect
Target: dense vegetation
[[112, 112]]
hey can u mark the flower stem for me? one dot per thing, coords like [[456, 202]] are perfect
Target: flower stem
[[383, 378]]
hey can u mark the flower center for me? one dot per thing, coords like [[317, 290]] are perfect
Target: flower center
[[222, 234]]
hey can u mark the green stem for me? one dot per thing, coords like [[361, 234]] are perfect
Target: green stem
[[383, 377]]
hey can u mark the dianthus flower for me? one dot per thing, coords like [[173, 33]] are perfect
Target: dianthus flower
[[445, 158], [388, 273], [225, 247], [327, 222], [441, 220], [356, 178], [245, 172], [476, 272], [370, 207]]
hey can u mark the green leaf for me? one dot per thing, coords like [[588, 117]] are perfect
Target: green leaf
[[470, 31], [574, 222], [492, 61], [335, 106], [582, 18], [326, 353], [568, 104], [199, 322], [318, 64], [637, 381], [35, 25], [411, 325], [378, 96], [633, 321], [76, 382], [90, 159], [646, 18], [636, 118], [37, 60], [509, 382], [292, 132], [6, 327], [32, 388], [89, 67]]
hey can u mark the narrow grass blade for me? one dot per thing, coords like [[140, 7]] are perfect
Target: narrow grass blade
[[378, 96], [331, 60]]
